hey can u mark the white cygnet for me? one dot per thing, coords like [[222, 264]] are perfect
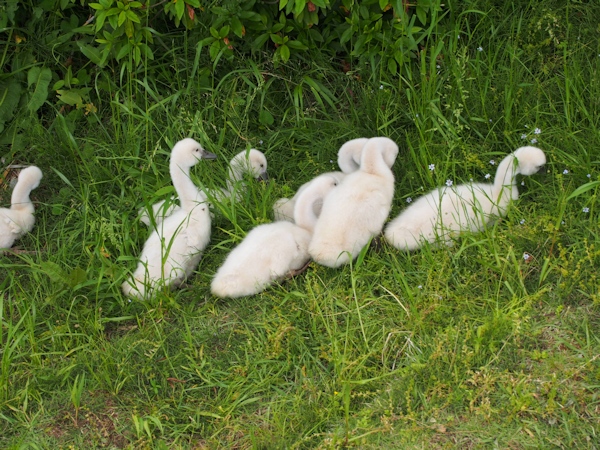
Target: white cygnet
[[270, 251], [356, 211], [175, 247], [447, 211], [19, 219]]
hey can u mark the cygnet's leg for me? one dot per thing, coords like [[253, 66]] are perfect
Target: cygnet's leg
[[296, 272]]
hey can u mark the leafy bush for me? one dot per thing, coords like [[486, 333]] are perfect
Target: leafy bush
[[59, 45]]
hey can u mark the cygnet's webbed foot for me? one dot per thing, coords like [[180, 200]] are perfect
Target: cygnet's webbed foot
[[296, 272]]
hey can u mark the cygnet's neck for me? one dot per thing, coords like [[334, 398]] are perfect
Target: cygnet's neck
[[19, 200], [373, 162], [506, 173], [304, 213], [184, 186]]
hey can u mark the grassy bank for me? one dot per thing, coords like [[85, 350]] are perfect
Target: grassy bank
[[471, 346]]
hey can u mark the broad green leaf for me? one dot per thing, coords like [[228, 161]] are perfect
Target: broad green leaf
[[282, 4], [91, 53], [237, 27], [77, 276], [223, 32], [284, 51], [54, 271], [70, 97], [277, 39], [299, 6], [123, 51], [296, 45], [38, 78], [179, 8], [122, 18], [265, 117]]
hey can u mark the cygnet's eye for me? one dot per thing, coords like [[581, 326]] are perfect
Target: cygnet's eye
[[262, 165]]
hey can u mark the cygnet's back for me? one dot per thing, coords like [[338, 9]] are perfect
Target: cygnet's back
[[355, 212]]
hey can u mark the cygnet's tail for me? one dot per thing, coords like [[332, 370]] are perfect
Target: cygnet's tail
[[230, 286], [329, 255], [403, 237]]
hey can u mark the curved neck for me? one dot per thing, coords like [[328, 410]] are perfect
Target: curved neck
[[506, 173], [372, 161], [184, 186], [19, 200], [304, 213]]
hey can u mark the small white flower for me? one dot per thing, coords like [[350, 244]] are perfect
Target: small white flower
[[537, 131], [490, 120], [479, 49], [523, 183], [526, 126], [331, 161], [260, 142], [526, 256], [586, 210], [589, 175], [492, 162], [523, 136], [534, 141], [417, 115], [458, 37], [487, 176], [438, 66], [420, 286], [380, 86], [562, 222], [448, 183], [565, 172], [471, 180], [522, 221], [408, 199], [431, 166]]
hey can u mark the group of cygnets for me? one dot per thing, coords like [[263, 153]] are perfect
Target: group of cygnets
[[329, 220]]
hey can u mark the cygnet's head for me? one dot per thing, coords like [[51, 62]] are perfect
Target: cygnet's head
[[250, 161], [30, 176], [187, 153], [349, 155], [531, 160], [387, 147]]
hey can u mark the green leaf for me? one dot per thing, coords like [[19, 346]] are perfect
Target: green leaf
[[77, 276], [299, 6], [237, 27], [179, 8], [583, 189], [96, 6], [265, 117], [223, 32], [122, 18], [39, 78], [296, 45], [54, 272], [70, 97], [91, 53], [284, 52], [214, 33], [422, 14], [282, 4], [10, 93], [214, 50], [132, 16], [277, 39], [123, 51], [392, 66]]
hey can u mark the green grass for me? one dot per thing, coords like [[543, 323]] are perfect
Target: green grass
[[463, 347]]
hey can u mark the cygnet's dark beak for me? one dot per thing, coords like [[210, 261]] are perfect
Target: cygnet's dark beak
[[263, 177], [208, 155]]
